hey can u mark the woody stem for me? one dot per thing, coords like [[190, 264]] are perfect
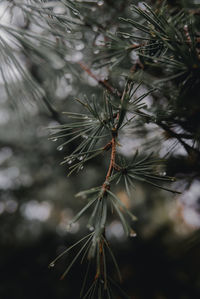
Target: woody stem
[[112, 163]]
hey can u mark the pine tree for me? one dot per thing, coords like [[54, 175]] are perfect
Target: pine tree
[[143, 64]]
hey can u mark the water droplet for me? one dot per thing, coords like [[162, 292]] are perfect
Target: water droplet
[[100, 2], [68, 30], [90, 227], [163, 173], [59, 148], [51, 265], [132, 234], [54, 139], [126, 36], [80, 158], [70, 161], [96, 51], [81, 167], [75, 12], [85, 136]]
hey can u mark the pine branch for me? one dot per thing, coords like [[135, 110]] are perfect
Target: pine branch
[[160, 49], [162, 125]]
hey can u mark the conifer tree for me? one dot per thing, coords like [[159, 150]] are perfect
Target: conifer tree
[[142, 61]]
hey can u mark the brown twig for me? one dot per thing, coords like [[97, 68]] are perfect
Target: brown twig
[[113, 143], [104, 83], [105, 185]]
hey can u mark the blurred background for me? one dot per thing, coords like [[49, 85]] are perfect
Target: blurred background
[[37, 198]]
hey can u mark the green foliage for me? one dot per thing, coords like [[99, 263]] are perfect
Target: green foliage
[[156, 48]]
